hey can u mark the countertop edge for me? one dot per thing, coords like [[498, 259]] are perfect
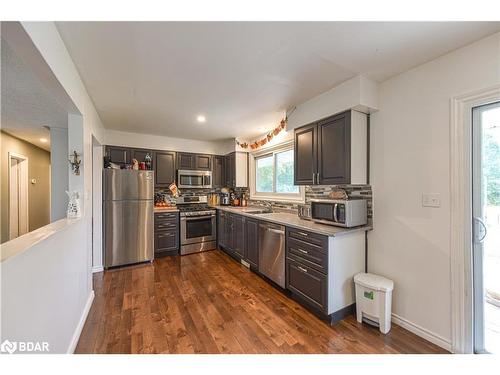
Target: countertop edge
[[339, 231], [23, 243]]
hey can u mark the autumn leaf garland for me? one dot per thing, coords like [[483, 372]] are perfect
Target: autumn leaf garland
[[266, 139]]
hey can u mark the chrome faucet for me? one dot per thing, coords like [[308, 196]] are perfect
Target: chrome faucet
[[268, 206]]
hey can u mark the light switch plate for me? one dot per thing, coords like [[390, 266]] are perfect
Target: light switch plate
[[431, 200]]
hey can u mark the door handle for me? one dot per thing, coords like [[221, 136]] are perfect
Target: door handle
[[303, 251], [335, 212], [278, 231], [302, 269], [317, 178], [484, 230]]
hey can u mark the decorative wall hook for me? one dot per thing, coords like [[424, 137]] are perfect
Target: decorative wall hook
[[75, 163]]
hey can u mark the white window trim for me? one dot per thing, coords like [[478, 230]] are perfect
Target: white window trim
[[275, 197], [462, 304]]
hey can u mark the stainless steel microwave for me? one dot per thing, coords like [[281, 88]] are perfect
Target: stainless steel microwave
[[340, 212], [190, 179]]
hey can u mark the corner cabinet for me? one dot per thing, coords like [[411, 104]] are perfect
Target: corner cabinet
[[332, 151], [236, 169], [218, 171]]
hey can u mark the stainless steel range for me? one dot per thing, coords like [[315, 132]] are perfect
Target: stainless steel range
[[198, 224]]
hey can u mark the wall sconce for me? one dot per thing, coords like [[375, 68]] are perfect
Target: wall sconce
[[75, 163]]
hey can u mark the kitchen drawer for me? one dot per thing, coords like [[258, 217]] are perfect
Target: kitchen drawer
[[308, 284], [312, 238], [167, 242], [312, 255], [166, 225], [166, 215]]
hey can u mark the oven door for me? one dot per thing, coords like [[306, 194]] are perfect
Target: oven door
[[195, 229]]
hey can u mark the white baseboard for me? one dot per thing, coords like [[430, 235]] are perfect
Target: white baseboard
[[422, 332], [97, 269], [81, 323]]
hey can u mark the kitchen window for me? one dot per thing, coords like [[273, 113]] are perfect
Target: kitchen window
[[271, 175]]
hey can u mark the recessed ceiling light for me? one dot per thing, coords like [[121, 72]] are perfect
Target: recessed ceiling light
[[201, 118], [43, 140]]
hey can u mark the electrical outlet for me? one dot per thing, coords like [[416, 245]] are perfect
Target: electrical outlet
[[431, 200]]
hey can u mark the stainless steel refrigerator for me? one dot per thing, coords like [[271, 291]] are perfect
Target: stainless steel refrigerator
[[128, 216]]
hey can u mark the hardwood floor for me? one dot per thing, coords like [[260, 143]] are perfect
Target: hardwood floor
[[208, 303]]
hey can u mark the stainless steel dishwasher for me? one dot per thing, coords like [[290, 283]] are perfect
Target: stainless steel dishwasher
[[272, 252]]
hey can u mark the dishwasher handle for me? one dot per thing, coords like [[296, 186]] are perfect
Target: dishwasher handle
[[272, 230], [277, 231]]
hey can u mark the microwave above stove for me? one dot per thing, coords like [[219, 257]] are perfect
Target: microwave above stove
[[190, 179], [340, 212]]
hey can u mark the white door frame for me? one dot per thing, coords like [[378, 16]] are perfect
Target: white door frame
[[22, 204], [462, 304]]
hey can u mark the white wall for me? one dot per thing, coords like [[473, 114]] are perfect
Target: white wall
[[45, 291], [157, 142], [97, 246], [358, 93], [410, 145], [58, 172], [51, 299]]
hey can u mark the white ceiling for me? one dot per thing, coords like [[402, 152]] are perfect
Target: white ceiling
[[27, 108], [156, 77]]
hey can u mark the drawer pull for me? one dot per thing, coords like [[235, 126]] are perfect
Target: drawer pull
[[302, 269], [303, 234], [303, 251]]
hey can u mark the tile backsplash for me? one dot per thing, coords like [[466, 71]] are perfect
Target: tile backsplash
[[364, 191]]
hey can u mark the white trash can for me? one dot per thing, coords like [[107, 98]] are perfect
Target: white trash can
[[373, 300]]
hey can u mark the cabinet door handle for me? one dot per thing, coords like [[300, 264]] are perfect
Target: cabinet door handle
[[302, 269], [317, 178]]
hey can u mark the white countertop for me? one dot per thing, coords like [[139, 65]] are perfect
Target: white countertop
[[20, 244], [292, 220]]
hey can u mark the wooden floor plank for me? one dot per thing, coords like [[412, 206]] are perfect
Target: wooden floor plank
[[208, 303]]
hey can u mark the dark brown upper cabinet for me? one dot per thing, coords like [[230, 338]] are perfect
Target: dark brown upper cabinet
[[236, 169], [118, 155], [230, 172], [332, 151], [140, 154], [203, 162], [305, 155], [218, 172], [194, 161], [164, 167], [185, 161]]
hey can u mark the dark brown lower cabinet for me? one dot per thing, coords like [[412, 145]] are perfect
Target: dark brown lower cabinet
[[166, 233], [252, 242], [307, 268], [307, 283], [239, 235]]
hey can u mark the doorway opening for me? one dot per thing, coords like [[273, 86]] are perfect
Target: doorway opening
[[486, 227], [18, 195]]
